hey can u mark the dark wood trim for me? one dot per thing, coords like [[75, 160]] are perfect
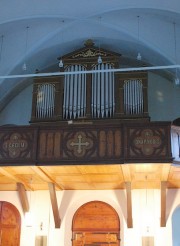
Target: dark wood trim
[[54, 204]]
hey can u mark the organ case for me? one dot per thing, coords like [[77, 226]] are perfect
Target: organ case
[[90, 90]]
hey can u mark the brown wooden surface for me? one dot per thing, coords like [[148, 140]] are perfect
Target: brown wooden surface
[[23, 197], [163, 203], [129, 205], [110, 158], [90, 177], [10, 224], [102, 143], [54, 204], [96, 223]]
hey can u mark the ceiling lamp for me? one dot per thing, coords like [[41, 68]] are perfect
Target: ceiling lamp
[[139, 58], [61, 64], [24, 66], [99, 57], [2, 38], [176, 80]]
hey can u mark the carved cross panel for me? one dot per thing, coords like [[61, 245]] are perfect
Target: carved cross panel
[[79, 144]]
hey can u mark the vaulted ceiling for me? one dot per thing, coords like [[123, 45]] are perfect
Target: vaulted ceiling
[[59, 27]]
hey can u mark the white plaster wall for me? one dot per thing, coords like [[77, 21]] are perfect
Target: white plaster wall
[[18, 110], [146, 212], [163, 99], [163, 103]]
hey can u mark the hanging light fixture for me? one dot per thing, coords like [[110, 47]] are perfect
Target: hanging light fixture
[[139, 58], [176, 80], [2, 39], [99, 57], [24, 66], [61, 64]]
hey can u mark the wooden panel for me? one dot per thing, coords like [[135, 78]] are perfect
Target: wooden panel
[[148, 143], [10, 222], [116, 143], [96, 216], [18, 144], [77, 144], [96, 223], [91, 177]]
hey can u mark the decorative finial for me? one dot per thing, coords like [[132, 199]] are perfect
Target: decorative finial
[[89, 43]]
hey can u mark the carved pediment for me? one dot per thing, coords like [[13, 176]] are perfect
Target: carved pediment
[[89, 54]]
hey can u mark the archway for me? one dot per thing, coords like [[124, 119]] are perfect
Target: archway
[[96, 223], [10, 224]]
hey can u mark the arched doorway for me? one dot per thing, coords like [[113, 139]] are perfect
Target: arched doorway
[[10, 224], [96, 223]]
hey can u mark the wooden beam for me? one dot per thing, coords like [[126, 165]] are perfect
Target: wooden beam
[[129, 205], [54, 204], [126, 172], [40, 171], [13, 177], [165, 171], [163, 203], [23, 197]]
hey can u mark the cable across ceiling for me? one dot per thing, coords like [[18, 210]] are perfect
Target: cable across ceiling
[[13, 76]]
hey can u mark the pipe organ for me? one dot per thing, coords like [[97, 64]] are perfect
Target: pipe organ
[[45, 101], [103, 102], [74, 102], [133, 96], [102, 94]]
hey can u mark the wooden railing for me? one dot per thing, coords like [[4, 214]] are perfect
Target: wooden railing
[[83, 143]]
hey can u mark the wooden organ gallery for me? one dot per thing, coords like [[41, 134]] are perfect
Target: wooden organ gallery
[[90, 116]]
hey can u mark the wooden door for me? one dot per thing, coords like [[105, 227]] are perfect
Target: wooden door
[[10, 222], [96, 224]]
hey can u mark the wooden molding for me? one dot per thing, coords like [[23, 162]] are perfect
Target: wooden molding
[[54, 204], [23, 197], [163, 203], [129, 205]]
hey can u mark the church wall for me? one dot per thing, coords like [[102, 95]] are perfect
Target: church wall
[[145, 206], [18, 110], [163, 98]]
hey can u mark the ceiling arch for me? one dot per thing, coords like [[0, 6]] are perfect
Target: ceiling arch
[[57, 29]]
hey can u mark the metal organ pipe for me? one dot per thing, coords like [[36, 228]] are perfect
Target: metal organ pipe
[[133, 97], [103, 103], [74, 93], [45, 101]]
